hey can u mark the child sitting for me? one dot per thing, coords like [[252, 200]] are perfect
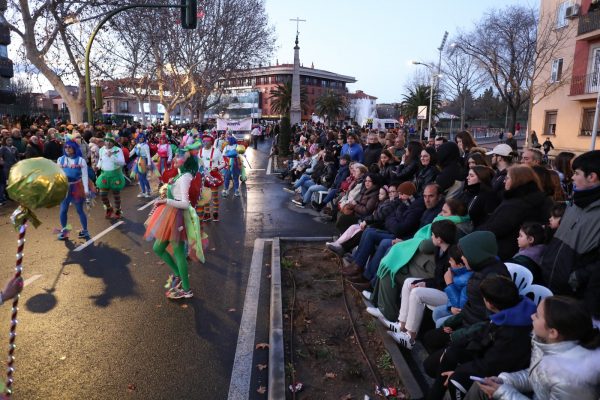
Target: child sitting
[[531, 241], [565, 359], [503, 345], [386, 206]]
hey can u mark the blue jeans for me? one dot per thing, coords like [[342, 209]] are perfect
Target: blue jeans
[[330, 196], [440, 314], [310, 191], [371, 237], [144, 184], [64, 209], [371, 268], [236, 179], [301, 181]]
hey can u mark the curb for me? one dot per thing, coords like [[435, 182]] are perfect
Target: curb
[[276, 350]]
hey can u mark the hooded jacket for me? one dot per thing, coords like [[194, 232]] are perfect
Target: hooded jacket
[[479, 248], [523, 203], [503, 345], [557, 371], [449, 162]]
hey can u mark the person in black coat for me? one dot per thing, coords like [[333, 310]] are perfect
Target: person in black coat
[[504, 344], [478, 195], [428, 171], [409, 166], [33, 148], [523, 201], [450, 165], [53, 148], [372, 150], [387, 165]]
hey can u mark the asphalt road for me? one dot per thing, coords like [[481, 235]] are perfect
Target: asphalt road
[[95, 324]]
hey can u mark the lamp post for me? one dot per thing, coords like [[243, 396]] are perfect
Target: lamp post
[[433, 80]]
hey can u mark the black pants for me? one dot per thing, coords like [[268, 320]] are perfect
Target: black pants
[[352, 242], [442, 361], [435, 340]]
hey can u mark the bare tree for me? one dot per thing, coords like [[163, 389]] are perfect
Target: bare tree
[[514, 52], [461, 77]]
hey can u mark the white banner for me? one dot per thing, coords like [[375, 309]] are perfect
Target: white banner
[[234, 124]]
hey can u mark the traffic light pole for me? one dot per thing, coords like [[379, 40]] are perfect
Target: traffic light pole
[[109, 15]]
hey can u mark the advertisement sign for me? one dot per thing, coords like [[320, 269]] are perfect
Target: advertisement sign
[[244, 124]]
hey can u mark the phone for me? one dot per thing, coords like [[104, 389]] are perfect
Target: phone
[[477, 379]]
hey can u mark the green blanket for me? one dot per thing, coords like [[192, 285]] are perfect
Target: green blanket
[[401, 253]]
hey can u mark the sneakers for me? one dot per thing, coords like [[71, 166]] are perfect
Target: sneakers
[[336, 248], [84, 234], [215, 217], [178, 293], [367, 295], [225, 193], [289, 190], [236, 193], [403, 339], [63, 235], [298, 203], [318, 207], [374, 311], [109, 212], [173, 282], [118, 214], [206, 218], [141, 194], [147, 195]]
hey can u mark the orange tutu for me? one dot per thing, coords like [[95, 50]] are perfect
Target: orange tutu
[[166, 223]]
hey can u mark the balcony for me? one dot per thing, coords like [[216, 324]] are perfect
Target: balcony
[[584, 86], [589, 22]]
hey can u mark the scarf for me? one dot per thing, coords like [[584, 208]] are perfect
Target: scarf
[[401, 253], [583, 198]]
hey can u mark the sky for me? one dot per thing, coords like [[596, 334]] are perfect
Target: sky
[[373, 41]]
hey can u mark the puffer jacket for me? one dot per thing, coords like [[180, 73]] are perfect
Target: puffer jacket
[[557, 371], [367, 202], [387, 172], [384, 209], [457, 290]]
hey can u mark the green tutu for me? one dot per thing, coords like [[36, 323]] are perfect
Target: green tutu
[[111, 180]]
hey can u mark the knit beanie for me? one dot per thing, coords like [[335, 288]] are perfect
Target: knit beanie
[[407, 188], [478, 247]]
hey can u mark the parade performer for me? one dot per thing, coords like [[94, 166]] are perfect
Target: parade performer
[[211, 163], [143, 164], [74, 166], [233, 167], [175, 227], [111, 161], [164, 152]]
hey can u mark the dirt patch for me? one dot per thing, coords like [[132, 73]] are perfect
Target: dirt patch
[[322, 350]]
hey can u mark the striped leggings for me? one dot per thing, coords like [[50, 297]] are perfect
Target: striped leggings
[[204, 211]]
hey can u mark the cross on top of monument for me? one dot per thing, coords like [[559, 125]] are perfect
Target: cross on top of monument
[[297, 20]]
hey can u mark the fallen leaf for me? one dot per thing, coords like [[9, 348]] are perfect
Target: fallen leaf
[[135, 265], [346, 397], [330, 375], [262, 389], [63, 358], [184, 306], [158, 305], [212, 249], [261, 366], [131, 387], [262, 346], [160, 263], [231, 310], [152, 280], [92, 259], [307, 321], [146, 252]]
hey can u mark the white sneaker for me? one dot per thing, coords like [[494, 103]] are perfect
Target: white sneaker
[[336, 248], [225, 193], [374, 311], [142, 194], [289, 190], [146, 195], [367, 295], [403, 339]]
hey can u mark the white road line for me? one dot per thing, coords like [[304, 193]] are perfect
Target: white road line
[[269, 165], [147, 205], [239, 386], [98, 236], [31, 279]]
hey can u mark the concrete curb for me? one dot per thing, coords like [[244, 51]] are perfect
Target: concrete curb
[[305, 239], [276, 350]]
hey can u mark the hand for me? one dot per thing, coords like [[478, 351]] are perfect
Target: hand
[[448, 330], [455, 310], [12, 288], [447, 374], [489, 386], [363, 225], [396, 241], [418, 284], [161, 201], [448, 277]]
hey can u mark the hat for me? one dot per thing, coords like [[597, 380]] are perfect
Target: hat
[[208, 137], [110, 137], [407, 188], [478, 247], [501, 150]]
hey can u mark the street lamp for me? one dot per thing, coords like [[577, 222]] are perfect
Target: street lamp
[[433, 79]]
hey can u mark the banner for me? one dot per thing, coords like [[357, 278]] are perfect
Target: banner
[[234, 124]]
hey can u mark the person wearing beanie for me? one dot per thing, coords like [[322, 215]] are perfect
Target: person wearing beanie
[[480, 253], [111, 161], [407, 188], [211, 166], [74, 166]]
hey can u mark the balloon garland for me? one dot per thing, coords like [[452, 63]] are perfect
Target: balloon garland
[[33, 183]]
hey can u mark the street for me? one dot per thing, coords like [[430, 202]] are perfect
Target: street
[[95, 323]]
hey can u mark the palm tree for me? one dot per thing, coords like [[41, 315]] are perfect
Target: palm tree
[[419, 96], [281, 98], [330, 105]]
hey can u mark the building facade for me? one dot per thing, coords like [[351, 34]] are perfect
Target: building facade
[[566, 116], [361, 107], [7, 96]]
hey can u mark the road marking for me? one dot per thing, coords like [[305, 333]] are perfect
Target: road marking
[[269, 165], [147, 205], [98, 236], [31, 279], [239, 386]]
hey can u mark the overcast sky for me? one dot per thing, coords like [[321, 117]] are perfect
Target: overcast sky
[[373, 41]]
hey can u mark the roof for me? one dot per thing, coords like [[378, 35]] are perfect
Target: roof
[[288, 69], [359, 94]]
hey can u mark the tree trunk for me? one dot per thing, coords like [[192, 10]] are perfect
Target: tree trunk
[[76, 110], [167, 116], [141, 106], [462, 113], [512, 122]]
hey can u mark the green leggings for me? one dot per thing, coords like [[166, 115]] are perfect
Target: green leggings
[[179, 265]]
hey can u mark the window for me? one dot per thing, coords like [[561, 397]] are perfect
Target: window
[[561, 11], [556, 74], [123, 106], [3, 51], [550, 124], [587, 123]]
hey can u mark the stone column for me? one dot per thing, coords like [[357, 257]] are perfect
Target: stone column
[[295, 109]]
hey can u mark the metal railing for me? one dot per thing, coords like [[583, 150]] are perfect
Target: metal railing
[[583, 84], [589, 22]]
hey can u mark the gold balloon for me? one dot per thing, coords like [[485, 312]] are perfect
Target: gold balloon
[[37, 182], [240, 149], [204, 196]]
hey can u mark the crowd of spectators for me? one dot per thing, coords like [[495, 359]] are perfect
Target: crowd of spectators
[[432, 224]]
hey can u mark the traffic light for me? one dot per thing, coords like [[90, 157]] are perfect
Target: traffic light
[[189, 17]]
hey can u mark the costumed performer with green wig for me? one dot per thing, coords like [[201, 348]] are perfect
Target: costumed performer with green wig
[[175, 227], [111, 161]]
